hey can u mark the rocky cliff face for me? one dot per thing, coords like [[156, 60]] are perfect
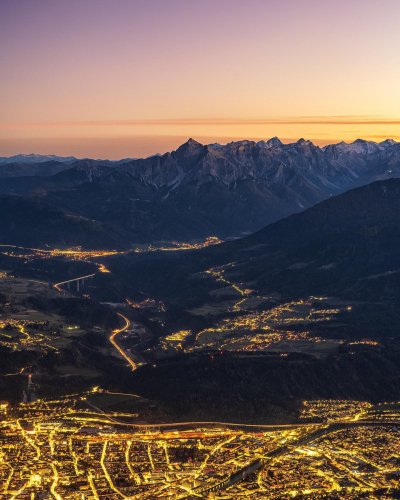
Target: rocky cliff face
[[271, 162]]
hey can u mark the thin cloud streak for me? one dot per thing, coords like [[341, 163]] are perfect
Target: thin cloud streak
[[300, 120]]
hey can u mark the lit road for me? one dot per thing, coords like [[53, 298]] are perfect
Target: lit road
[[115, 332], [113, 341], [57, 286], [174, 426], [71, 254]]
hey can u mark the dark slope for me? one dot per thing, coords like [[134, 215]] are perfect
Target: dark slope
[[32, 222], [267, 388], [31, 169], [338, 246]]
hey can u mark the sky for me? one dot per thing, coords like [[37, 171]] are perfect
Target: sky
[[130, 78]]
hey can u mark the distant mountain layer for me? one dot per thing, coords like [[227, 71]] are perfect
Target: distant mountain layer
[[33, 158], [199, 190]]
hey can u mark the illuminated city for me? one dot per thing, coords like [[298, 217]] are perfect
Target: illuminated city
[[73, 448]]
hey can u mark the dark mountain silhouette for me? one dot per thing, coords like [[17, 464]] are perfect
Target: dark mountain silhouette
[[199, 190]]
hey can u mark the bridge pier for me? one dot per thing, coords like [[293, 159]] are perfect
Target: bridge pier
[[78, 282]]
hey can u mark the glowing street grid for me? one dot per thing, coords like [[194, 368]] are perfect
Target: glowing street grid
[[68, 449]]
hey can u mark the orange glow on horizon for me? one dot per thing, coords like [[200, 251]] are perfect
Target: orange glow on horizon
[[139, 77], [113, 144]]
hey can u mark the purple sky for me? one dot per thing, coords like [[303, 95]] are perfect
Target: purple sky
[[125, 77]]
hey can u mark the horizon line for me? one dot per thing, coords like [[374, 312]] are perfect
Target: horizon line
[[284, 141]]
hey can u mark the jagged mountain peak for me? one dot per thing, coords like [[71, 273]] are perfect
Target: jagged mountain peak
[[388, 142], [304, 142], [190, 148], [273, 142], [191, 143]]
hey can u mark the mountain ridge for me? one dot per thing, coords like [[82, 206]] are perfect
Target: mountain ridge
[[273, 141], [201, 190]]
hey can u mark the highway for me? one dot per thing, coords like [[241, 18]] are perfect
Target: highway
[[115, 332], [57, 286], [113, 341], [180, 426]]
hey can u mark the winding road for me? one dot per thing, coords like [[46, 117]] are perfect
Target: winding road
[[113, 341]]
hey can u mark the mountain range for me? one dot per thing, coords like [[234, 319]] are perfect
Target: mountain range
[[196, 191], [35, 158]]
